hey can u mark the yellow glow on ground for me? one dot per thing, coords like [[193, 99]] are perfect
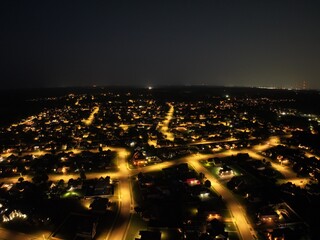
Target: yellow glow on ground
[[310, 155], [90, 119], [300, 182], [271, 142], [285, 171], [236, 209], [86, 203], [164, 126], [152, 142], [124, 127], [11, 234], [28, 121], [122, 152]]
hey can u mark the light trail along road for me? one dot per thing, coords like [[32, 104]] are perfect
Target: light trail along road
[[90, 119], [122, 221], [164, 126], [237, 211]]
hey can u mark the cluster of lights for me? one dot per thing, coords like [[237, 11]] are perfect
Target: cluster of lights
[[7, 186], [193, 182], [140, 162], [204, 195], [226, 172], [14, 214], [267, 219], [213, 216], [71, 193]]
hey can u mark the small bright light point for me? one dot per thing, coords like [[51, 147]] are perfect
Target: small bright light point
[[150, 88]]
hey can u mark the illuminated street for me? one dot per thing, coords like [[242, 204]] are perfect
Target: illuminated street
[[90, 119], [121, 223], [164, 126], [214, 142], [287, 172], [240, 218], [9, 235], [160, 120], [271, 142], [119, 145]]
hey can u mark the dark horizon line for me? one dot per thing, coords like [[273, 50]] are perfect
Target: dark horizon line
[[156, 86]]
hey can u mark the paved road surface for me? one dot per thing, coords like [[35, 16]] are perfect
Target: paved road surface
[[236, 209], [121, 224]]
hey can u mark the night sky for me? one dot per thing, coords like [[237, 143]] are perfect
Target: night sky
[[140, 43]]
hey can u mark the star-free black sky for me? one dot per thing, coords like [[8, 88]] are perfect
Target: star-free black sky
[[217, 42]]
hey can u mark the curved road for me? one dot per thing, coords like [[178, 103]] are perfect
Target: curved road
[[122, 222]]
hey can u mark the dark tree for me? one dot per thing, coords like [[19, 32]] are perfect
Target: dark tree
[[40, 177], [83, 175], [207, 183], [215, 227]]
